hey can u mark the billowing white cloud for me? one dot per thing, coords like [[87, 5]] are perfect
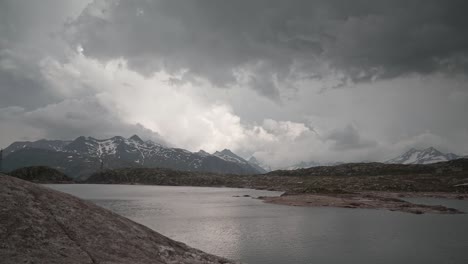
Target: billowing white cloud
[[105, 99]]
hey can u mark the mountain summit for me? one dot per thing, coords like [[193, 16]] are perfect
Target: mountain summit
[[230, 156], [425, 156], [137, 139], [84, 155]]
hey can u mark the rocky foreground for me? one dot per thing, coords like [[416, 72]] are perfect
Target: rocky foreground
[[40, 225]]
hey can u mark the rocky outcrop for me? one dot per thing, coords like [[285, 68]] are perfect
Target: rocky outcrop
[[40, 225]]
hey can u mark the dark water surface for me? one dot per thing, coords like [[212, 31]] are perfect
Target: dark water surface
[[249, 230]]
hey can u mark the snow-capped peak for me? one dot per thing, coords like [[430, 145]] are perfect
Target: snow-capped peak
[[203, 153], [228, 155], [425, 156], [84, 153], [228, 152], [137, 139]]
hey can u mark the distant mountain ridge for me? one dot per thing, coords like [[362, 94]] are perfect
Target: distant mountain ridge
[[57, 145], [413, 156], [310, 164], [85, 155], [301, 165], [425, 156]]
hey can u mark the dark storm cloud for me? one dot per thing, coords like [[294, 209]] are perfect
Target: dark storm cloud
[[28, 32], [70, 119], [278, 40], [348, 138], [21, 82], [18, 90]]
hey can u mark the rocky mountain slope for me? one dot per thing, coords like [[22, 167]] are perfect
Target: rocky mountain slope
[[54, 145], [425, 156], [40, 225], [85, 155], [228, 155]]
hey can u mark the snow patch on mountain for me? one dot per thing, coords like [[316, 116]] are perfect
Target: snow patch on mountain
[[228, 155], [117, 152], [203, 153], [425, 156]]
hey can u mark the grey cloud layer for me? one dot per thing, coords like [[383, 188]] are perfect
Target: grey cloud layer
[[141, 63], [67, 120], [30, 31], [278, 40]]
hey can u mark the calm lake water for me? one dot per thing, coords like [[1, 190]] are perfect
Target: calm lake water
[[246, 229]]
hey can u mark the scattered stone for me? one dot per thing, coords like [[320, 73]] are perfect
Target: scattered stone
[[372, 200]]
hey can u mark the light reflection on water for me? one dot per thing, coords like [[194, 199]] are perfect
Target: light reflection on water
[[249, 230]]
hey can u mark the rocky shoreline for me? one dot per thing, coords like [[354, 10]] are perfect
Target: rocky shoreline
[[353, 185]]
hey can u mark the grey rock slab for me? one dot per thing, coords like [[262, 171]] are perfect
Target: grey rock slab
[[40, 225]]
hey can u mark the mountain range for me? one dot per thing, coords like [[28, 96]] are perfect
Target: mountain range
[[85, 155], [310, 164], [413, 156], [424, 156]]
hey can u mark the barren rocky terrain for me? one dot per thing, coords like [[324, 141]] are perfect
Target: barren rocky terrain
[[40, 225], [354, 185]]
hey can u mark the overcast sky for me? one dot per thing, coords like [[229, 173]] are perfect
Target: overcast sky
[[285, 81]]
